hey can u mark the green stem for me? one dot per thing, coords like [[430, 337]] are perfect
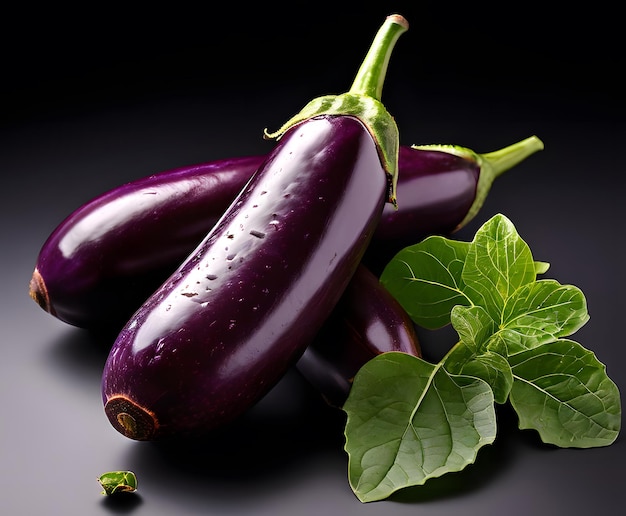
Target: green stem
[[442, 362], [496, 162], [491, 165], [370, 78], [362, 101]]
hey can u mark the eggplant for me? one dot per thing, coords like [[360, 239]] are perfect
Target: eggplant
[[242, 308], [101, 262], [98, 266], [366, 322], [441, 188]]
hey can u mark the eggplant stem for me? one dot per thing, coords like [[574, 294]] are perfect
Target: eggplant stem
[[370, 78], [494, 164], [502, 160]]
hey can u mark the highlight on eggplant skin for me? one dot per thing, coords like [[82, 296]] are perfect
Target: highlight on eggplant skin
[[241, 310], [101, 262], [366, 322], [110, 254], [443, 187], [436, 193]]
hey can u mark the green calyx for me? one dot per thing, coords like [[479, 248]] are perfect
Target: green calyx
[[491, 165], [374, 116], [362, 101], [114, 482]]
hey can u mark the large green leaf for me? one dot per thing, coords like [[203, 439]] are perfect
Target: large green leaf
[[542, 312], [426, 279], [408, 421], [561, 390], [497, 264]]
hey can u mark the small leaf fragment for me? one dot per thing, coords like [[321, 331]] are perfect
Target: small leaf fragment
[[409, 421], [114, 482], [561, 390]]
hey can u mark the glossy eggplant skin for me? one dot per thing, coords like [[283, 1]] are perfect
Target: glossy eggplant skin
[[109, 255], [366, 322], [245, 304], [438, 190], [98, 266]]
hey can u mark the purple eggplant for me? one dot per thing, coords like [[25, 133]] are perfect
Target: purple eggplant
[[109, 255], [242, 308], [366, 322], [440, 189]]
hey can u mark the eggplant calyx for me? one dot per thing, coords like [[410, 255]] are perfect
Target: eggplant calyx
[[371, 112], [491, 165], [39, 292], [130, 419], [362, 101]]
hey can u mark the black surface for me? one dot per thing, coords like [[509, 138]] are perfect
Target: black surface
[[94, 99]]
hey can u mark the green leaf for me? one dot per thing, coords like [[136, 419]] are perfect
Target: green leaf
[[118, 482], [426, 279], [476, 355], [492, 368], [562, 391], [542, 312], [473, 324], [497, 264], [408, 421], [541, 267]]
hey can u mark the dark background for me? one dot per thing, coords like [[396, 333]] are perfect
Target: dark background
[[94, 96]]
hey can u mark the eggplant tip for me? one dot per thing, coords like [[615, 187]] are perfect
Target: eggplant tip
[[130, 419], [38, 291]]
